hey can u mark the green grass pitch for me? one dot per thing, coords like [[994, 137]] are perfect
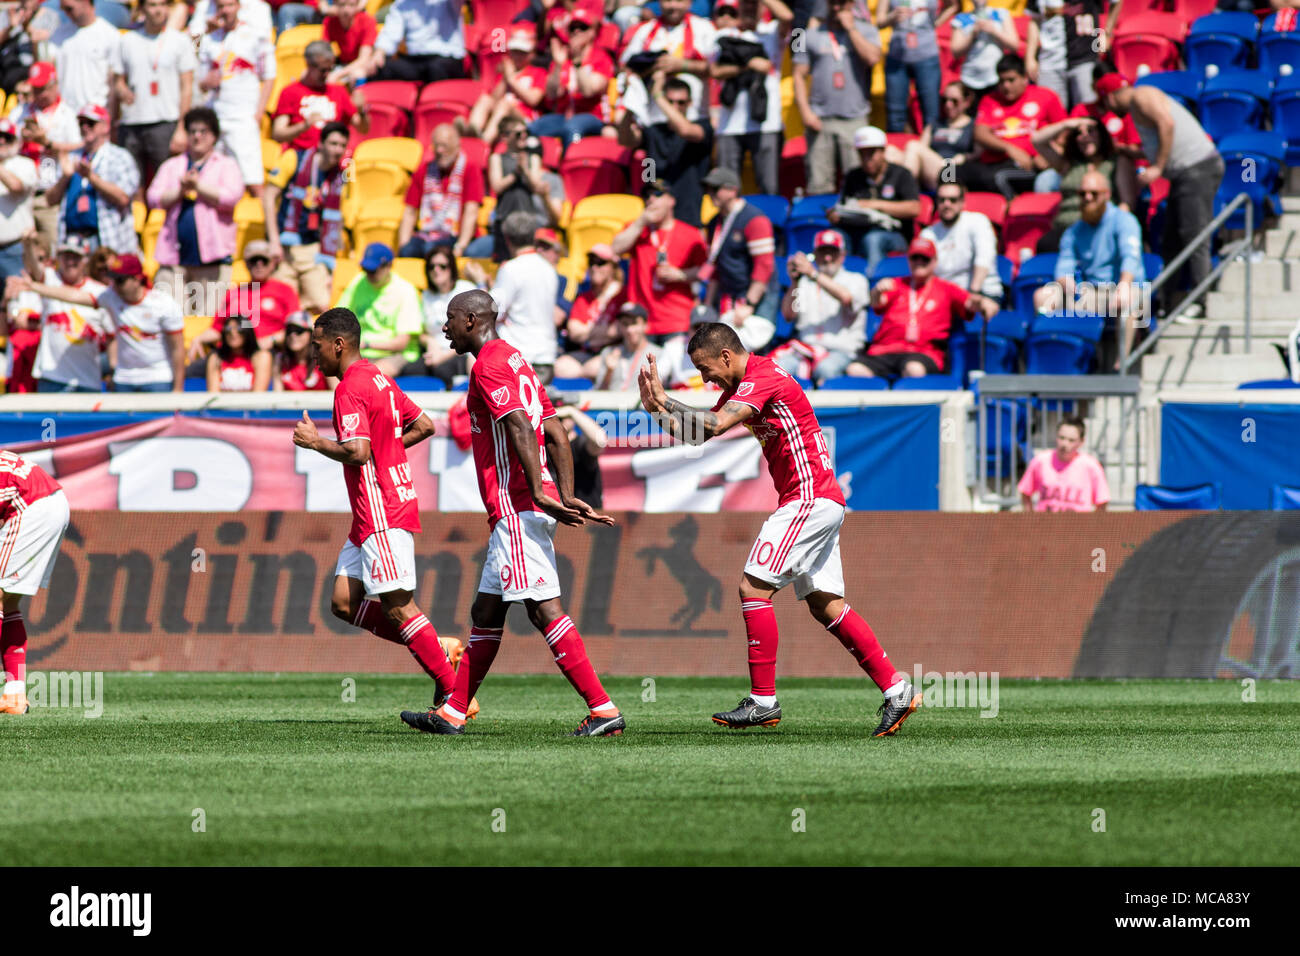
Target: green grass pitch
[[286, 772]]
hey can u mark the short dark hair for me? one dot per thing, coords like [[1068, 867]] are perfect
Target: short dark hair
[[1012, 63], [676, 83], [1077, 422], [329, 129], [250, 346], [340, 323], [961, 187], [712, 337], [205, 115]]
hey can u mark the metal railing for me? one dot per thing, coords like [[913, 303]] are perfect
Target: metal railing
[[1015, 415], [1228, 256]]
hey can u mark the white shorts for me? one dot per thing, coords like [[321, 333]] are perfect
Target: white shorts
[[521, 558], [242, 141], [29, 543], [800, 544], [384, 562]]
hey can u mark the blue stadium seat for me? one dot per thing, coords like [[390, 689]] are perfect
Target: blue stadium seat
[[1220, 39], [931, 383], [775, 208], [1153, 265], [1264, 383], [420, 383], [1207, 497], [873, 323], [1009, 325], [1005, 438], [855, 383], [1268, 150], [1007, 273], [804, 383], [891, 267], [1058, 353], [1086, 327], [1233, 102], [807, 218], [1035, 273], [572, 384], [1284, 104], [461, 386], [855, 264], [1182, 85], [1277, 49], [196, 385], [1286, 499]]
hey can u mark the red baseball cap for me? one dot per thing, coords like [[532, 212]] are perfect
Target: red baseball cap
[[1109, 83], [828, 237], [93, 111], [550, 237], [8, 129], [125, 267], [922, 247], [585, 11], [523, 36], [41, 75]]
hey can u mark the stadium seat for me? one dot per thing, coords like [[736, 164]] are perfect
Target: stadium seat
[[572, 384], [412, 270], [271, 153], [807, 218], [345, 270], [792, 176], [855, 383], [1268, 150], [1223, 40], [429, 114], [1182, 85], [1034, 273], [250, 221], [1207, 497], [1062, 344], [290, 46], [1284, 105], [391, 103], [930, 383], [496, 13], [993, 205], [1266, 383], [420, 383], [597, 219], [465, 92], [1233, 102], [1005, 437], [999, 353], [1285, 499], [1148, 43], [926, 216], [1192, 10], [595, 165], [1029, 217], [891, 267], [855, 264], [1006, 272], [1136, 8], [775, 208], [1277, 49], [378, 221], [1086, 327], [383, 167], [196, 384]]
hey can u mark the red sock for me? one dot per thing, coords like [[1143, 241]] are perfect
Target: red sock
[[760, 628], [422, 641], [371, 617], [484, 642], [13, 646], [860, 641], [571, 657]]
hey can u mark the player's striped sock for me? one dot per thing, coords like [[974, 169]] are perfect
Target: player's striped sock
[[422, 641], [760, 629], [484, 642], [13, 652], [860, 641], [371, 617], [566, 645]]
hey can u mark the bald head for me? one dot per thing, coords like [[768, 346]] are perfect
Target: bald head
[[471, 321], [446, 144], [1094, 190], [476, 302]]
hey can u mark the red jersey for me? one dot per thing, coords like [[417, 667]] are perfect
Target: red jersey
[[328, 104], [531, 77], [584, 310], [919, 320], [267, 306], [1017, 122], [368, 405], [499, 383], [21, 483], [236, 374], [786, 426], [300, 377], [350, 40], [669, 305], [1122, 129], [569, 100]]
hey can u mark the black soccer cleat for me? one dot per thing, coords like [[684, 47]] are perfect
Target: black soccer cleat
[[749, 713], [593, 726], [895, 710], [428, 722]]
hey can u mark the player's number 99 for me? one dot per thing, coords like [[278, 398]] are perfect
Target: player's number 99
[[531, 400]]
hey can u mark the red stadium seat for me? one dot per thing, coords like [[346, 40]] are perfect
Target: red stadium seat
[[993, 205], [430, 115], [451, 91], [476, 152], [390, 103], [1148, 43], [899, 140], [593, 166], [395, 92], [1190, 10], [495, 13], [1137, 8], [927, 213], [1029, 217]]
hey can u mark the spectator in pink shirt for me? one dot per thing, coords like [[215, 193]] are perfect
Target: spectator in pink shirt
[[1065, 478]]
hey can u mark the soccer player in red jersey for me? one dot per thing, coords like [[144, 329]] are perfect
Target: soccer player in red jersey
[[514, 433], [800, 541], [33, 517], [374, 580]]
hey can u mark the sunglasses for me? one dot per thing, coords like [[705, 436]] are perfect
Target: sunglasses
[[1090, 193], [579, 27], [83, 123], [597, 261], [295, 329], [919, 259], [949, 199], [258, 260], [951, 99]]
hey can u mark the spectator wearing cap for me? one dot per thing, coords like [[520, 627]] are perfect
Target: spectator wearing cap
[[525, 291], [264, 302], [433, 36], [295, 369], [199, 190], [621, 362], [17, 187], [666, 257], [747, 62], [148, 348], [307, 223], [832, 90], [86, 48], [236, 363], [680, 148], [443, 283], [47, 128], [307, 105], [592, 322], [676, 43], [388, 308], [96, 187], [966, 244], [878, 203], [913, 58], [741, 268], [1178, 149], [518, 91], [1004, 127], [353, 32], [828, 306], [443, 200], [576, 101], [980, 39], [917, 315], [72, 337], [518, 179], [24, 26], [153, 79]]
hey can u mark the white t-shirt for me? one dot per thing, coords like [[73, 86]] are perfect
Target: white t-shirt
[[653, 35], [434, 305], [525, 291], [255, 13], [152, 63], [969, 242], [85, 58], [72, 337], [735, 121], [821, 319], [16, 208], [142, 352], [246, 59], [59, 123]]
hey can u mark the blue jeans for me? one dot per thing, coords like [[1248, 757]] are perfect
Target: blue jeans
[[11, 260], [49, 385], [898, 86], [293, 14], [417, 248], [568, 129], [481, 248], [874, 244], [146, 387], [1048, 181]]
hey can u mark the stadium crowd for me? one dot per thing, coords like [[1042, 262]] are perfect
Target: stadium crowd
[[183, 187]]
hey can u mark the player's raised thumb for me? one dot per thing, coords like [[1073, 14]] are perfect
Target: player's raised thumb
[[305, 416]]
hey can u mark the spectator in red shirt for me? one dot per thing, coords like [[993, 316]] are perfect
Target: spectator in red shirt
[[350, 28], [578, 85], [1004, 125], [666, 258], [519, 90], [306, 106], [917, 317], [295, 370], [267, 302], [237, 364], [443, 200], [593, 320]]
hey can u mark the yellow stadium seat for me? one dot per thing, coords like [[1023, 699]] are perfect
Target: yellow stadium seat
[[140, 213], [278, 163], [489, 266], [611, 206], [791, 119], [377, 222], [374, 6], [289, 47], [707, 209], [485, 212], [195, 325], [405, 152], [239, 273], [250, 222], [345, 270], [412, 270], [149, 234], [597, 219], [376, 179]]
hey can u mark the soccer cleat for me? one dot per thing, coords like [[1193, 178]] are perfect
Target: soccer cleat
[[14, 704], [430, 723], [593, 726], [749, 713], [895, 710]]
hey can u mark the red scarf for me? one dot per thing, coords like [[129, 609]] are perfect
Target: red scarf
[[314, 203], [440, 207]]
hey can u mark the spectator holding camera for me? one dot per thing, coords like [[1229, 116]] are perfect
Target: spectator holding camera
[[521, 183], [680, 149], [676, 44], [878, 203], [828, 306]]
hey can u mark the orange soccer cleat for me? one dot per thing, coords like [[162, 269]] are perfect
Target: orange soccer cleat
[[14, 704], [455, 651]]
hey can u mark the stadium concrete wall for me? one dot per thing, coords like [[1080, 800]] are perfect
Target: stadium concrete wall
[[1023, 595]]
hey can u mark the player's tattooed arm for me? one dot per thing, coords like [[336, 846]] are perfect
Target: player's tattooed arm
[[695, 426], [355, 452], [417, 431], [523, 440]]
